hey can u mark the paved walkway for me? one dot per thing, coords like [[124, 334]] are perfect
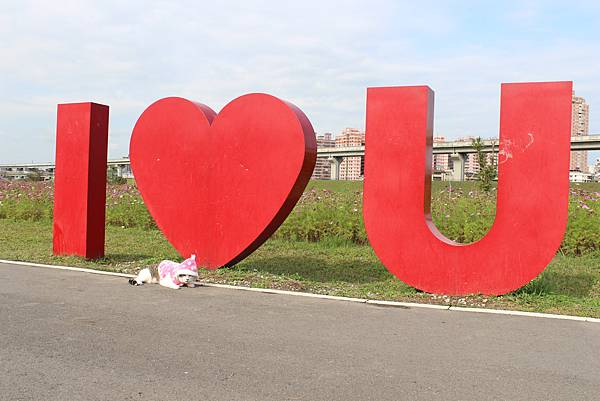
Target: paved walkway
[[75, 336]]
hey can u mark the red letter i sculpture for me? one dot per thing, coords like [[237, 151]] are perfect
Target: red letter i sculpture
[[80, 179]]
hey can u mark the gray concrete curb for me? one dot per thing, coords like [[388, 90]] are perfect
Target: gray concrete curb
[[330, 297]]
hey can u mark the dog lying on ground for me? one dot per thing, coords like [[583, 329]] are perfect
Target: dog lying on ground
[[169, 274]]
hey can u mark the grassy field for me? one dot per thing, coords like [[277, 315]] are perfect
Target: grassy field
[[339, 261]]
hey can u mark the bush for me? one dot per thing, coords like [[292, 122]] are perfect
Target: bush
[[323, 215], [24, 200], [125, 208], [28, 210], [583, 228], [113, 177], [129, 213], [460, 211]]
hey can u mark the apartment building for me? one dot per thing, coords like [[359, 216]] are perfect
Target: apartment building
[[351, 168]]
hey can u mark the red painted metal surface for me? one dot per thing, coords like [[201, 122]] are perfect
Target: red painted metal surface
[[219, 185], [80, 179], [533, 188]]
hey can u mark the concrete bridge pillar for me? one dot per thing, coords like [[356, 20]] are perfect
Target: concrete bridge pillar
[[458, 166], [335, 166]]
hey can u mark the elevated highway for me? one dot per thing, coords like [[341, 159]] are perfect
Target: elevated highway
[[457, 150], [589, 142]]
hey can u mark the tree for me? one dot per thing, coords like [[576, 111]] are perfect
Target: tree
[[488, 171], [34, 175], [113, 176]]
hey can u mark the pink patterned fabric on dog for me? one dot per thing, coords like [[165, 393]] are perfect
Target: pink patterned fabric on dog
[[169, 270]]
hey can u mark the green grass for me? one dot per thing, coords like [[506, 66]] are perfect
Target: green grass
[[336, 186], [570, 284], [322, 246], [331, 211]]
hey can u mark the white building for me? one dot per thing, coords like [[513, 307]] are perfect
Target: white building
[[351, 168], [45, 171], [580, 176], [42, 171]]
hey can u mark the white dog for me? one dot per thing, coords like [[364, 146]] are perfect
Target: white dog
[[169, 274]]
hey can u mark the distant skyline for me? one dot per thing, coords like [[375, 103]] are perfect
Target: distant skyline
[[318, 55]]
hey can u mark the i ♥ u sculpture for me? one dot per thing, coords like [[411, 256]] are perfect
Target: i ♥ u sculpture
[[218, 185]]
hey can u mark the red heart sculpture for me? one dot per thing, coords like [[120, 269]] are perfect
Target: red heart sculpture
[[219, 185]]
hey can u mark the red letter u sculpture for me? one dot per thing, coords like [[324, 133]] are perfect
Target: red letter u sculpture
[[533, 190]]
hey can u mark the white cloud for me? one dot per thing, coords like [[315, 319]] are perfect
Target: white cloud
[[319, 55]]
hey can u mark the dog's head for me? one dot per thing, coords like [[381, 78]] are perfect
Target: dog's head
[[185, 278], [187, 271]]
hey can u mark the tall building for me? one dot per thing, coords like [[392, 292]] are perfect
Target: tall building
[[471, 166], [351, 168], [440, 163], [472, 163], [322, 169], [579, 126]]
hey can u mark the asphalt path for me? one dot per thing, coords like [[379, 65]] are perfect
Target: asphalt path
[[75, 336]]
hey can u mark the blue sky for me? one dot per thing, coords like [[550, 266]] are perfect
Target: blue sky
[[319, 55]]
